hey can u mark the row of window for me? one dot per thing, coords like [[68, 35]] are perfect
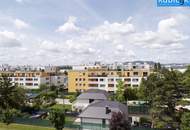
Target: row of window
[[118, 73], [28, 84], [112, 85], [112, 80], [80, 79], [26, 79]]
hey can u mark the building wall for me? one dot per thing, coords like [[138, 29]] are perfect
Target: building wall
[[104, 79], [92, 120], [32, 80], [59, 80], [77, 80]]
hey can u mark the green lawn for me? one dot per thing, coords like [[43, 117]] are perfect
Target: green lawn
[[25, 127]]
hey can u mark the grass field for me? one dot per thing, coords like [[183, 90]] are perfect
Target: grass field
[[24, 127]]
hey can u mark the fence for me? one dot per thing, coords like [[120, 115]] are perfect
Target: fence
[[89, 126], [142, 110]]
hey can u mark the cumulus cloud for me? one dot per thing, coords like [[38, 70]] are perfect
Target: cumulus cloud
[[167, 35], [109, 41], [20, 24], [8, 40], [112, 32], [117, 40], [50, 46], [69, 26]]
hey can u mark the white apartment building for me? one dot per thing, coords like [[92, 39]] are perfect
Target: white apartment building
[[33, 80]]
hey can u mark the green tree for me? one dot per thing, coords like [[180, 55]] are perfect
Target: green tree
[[130, 94], [186, 81], [57, 118], [163, 90], [11, 96], [45, 99], [43, 87], [157, 67], [8, 116], [118, 122], [185, 121], [119, 96]]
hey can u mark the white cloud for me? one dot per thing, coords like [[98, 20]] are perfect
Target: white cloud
[[69, 26], [120, 47], [109, 41], [50, 46], [20, 24], [166, 36], [8, 40], [19, 1]]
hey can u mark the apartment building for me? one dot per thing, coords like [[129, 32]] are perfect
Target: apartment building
[[104, 79], [33, 79]]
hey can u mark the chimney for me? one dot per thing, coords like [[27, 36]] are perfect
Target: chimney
[[108, 110]]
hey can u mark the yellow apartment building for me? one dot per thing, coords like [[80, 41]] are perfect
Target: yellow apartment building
[[81, 80]]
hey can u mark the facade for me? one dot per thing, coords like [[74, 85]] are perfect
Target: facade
[[101, 112], [88, 97], [33, 79], [104, 79]]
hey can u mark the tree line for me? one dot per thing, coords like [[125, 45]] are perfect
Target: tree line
[[163, 90]]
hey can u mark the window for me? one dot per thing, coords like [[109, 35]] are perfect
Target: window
[[145, 74], [76, 79], [29, 79], [135, 85], [35, 79], [110, 85], [84, 84], [93, 85], [101, 79], [35, 84], [128, 79], [21, 79], [102, 85], [29, 84], [111, 80], [84, 79], [135, 80], [127, 85], [135, 73], [93, 80]]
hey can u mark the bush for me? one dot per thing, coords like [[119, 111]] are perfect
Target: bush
[[8, 116]]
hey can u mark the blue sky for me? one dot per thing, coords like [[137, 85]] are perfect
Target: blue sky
[[80, 31]]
